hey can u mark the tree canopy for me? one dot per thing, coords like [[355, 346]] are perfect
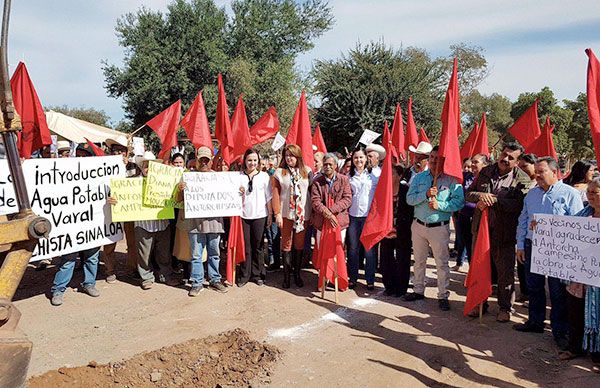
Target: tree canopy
[[173, 55]]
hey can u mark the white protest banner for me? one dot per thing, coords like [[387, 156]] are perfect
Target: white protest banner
[[161, 185], [566, 247], [71, 193], [278, 142], [368, 137], [212, 194], [138, 146]]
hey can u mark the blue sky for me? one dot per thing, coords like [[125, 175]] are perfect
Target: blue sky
[[528, 44]]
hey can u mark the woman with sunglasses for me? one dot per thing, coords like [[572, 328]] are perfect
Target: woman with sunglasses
[[255, 188], [291, 206]]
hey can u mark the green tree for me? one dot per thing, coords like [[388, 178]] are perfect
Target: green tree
[[174, 55], [91, 115], [360, 90], [579, 129], [559, 116], [497, 109]]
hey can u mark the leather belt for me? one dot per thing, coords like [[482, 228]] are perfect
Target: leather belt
[[433, 224]]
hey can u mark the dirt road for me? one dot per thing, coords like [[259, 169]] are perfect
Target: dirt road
[[366, 340]]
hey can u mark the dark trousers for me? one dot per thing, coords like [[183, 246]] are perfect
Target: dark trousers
[[254, 266], [503, 258], [273, 235], [522, 279], [464, 238], [576, 311], [537, 298], [390, 268]]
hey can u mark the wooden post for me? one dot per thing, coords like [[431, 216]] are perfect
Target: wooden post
[[234, 264], [480, 312]]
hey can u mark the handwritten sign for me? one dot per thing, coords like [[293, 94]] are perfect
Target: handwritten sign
[[212, 194], [368, 137], [71, 193], [161, 185], [129, 193], [566, 247]]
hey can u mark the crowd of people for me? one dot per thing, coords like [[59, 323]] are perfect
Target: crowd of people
[[285, 204]]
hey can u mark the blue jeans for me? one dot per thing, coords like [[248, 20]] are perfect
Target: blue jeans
[[197, 243], [536, 284], [356, 252], [273, 244], [89, 257]]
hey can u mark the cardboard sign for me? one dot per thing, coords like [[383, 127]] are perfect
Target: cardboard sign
[[566, 247], [212, 194], [129, 193], [71, 193], [368, 137], [161, 185]]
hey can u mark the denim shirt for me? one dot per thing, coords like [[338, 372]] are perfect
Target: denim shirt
[[450, 197], [560, 199]]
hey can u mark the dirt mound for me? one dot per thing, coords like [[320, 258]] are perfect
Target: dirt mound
[[228, 359]]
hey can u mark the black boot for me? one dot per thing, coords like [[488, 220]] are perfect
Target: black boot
[[287, 269], [297, 265]]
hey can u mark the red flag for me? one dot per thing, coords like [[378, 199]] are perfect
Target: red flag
[[331, 247], [593, 99], [386, 142], [423, 136], [466, 151], [299, 132], [481, 145], [165, 125], [527, 127], [412, 137], [544, 144], [95, 149], [317, 140], [479, 278], [380, 220], [35, 133], [235, 242], [450, 129], [195, 123], [398, 133], [223, 125], [265, 128], [240, 131]]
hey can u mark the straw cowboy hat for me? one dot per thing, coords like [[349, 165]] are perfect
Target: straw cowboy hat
[[148, 156], [377, 148], [423, 148]]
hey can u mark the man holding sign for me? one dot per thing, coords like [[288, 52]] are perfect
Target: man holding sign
[[551, 196]]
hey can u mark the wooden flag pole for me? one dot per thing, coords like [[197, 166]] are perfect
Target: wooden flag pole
[[480, 313], [323, 284], [234, 264], [336, 278]]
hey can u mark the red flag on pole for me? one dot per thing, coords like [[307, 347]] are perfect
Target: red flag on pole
[[300, 133], [398, 134], [235, 243], [195, 123], [330, 253], [35, 133], [450, 129], [317, 140], [423, 136], [265, 128], [479, 278], [482, 144], [223, 125], [412, 137], [387, 143], [527, 127], [380, 220], [165, 125], [95, 149], [544, 144], [240, 131], [593, 99], [466, 151]]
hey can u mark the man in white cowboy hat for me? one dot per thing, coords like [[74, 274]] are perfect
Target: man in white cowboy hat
[[419, 157], [151, 236], [63, 147], [119, 146], [375, 154]]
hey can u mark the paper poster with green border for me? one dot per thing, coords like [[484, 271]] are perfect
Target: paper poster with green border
[[162, 185], [129, 193]]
